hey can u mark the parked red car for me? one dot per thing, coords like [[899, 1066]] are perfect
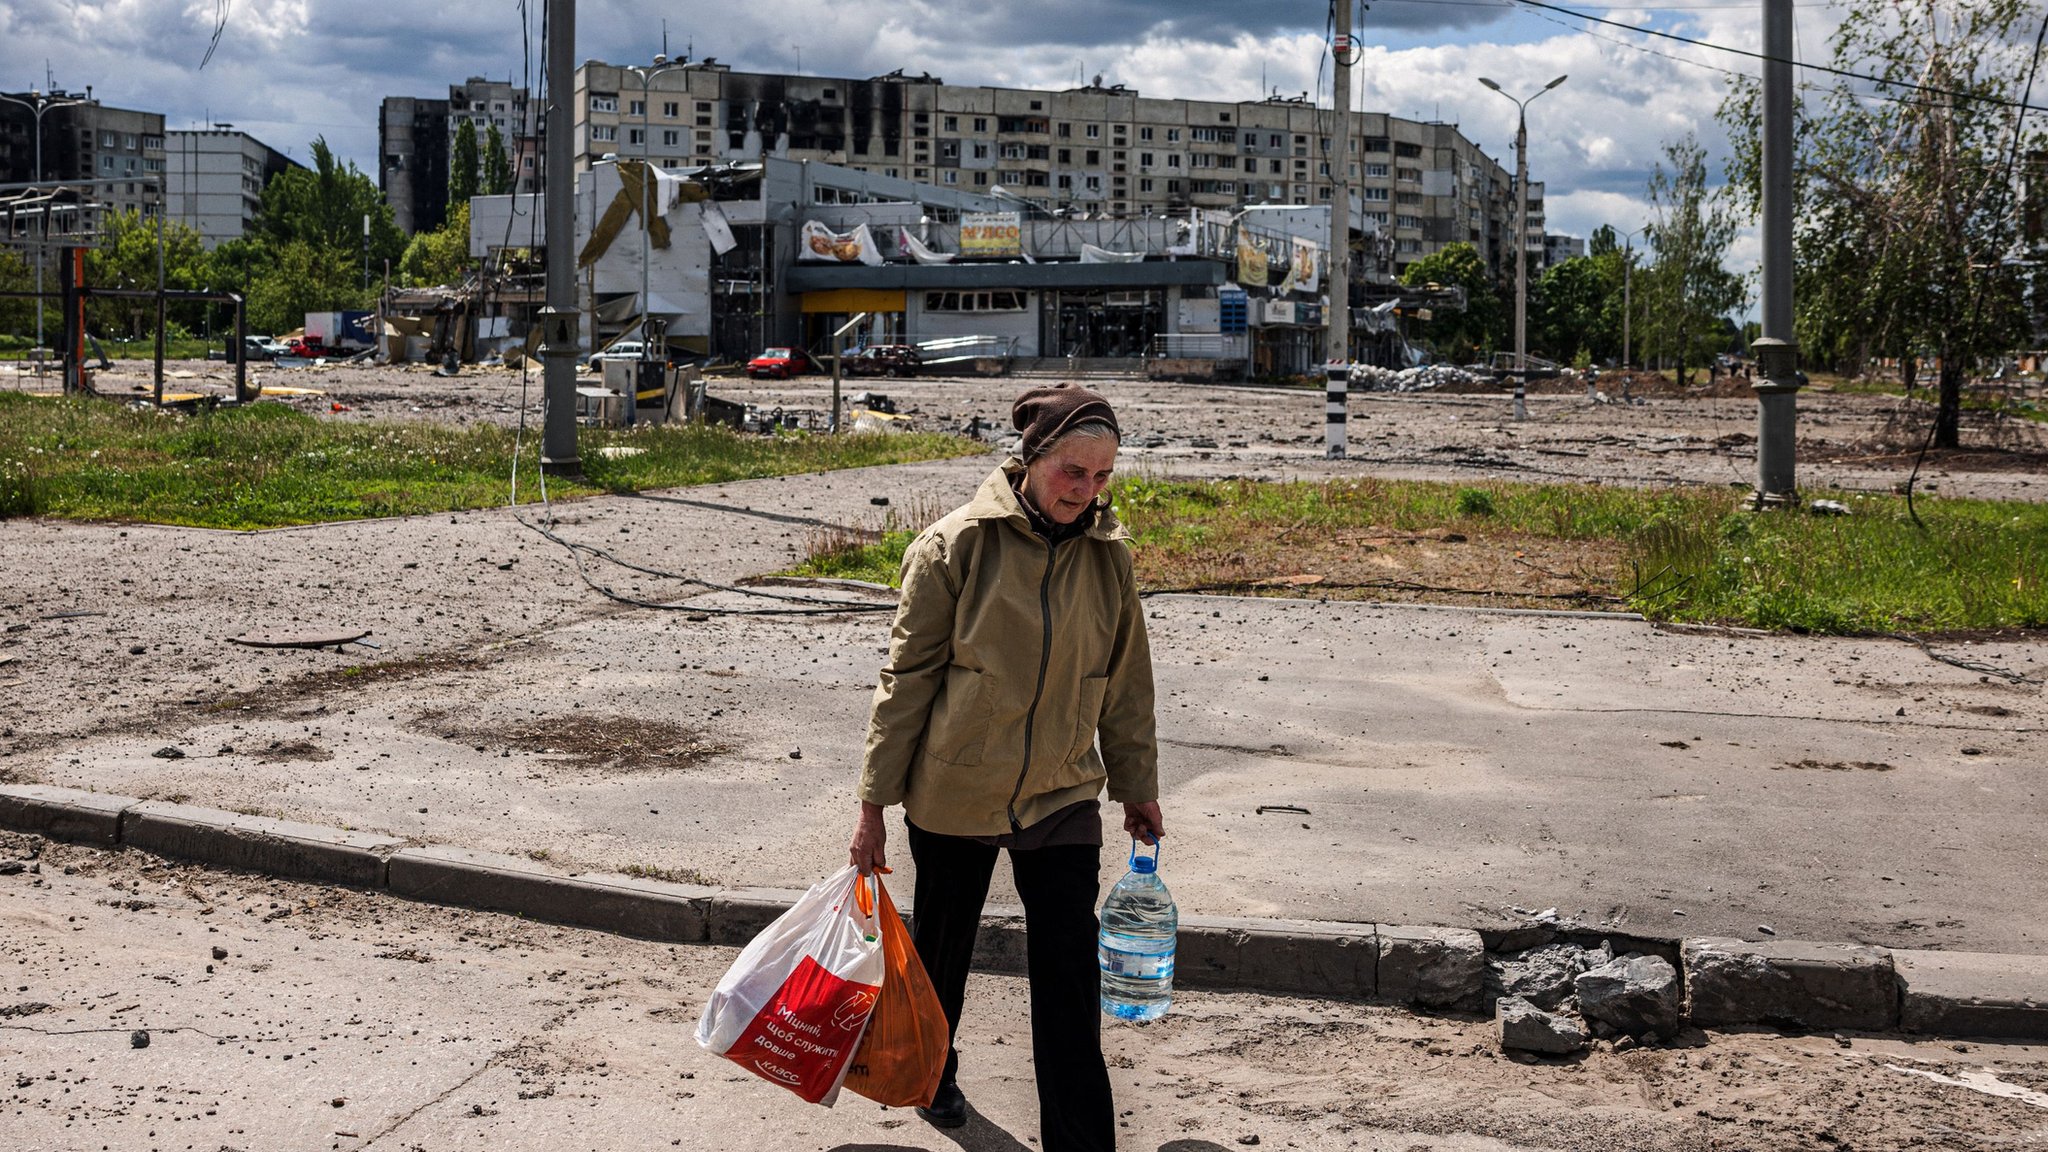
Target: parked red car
[[311, 349], [780, 363]]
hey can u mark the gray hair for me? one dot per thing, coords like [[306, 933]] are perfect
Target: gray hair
[[1087, 430]]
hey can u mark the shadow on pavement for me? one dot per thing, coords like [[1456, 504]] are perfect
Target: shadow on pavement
[[980, 1134]]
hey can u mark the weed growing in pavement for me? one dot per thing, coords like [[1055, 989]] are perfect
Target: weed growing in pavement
[[670, 875], [266, 464], [1686, 554]]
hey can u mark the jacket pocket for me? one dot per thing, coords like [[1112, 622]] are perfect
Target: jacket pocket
[[959, 723], [1088, 711]]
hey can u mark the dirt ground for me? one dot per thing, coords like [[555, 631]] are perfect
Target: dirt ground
[[1847, 442], [282, 1015]]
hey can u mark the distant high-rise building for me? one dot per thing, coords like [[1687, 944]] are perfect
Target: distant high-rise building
[[1091, 151], [215, 178], [83, 139], [418, 134]]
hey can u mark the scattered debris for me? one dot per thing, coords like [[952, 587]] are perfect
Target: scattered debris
[[169, 753], [1294, 808], [1828, 508], [138, 1038]]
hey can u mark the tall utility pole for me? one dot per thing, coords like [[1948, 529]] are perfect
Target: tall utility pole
[[1521, 241], [1337, 363], [558, 455], [42, 104], [1777, 351]]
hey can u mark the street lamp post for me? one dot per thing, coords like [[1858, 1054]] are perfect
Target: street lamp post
[[1521, 240], [43, 103], [646, 75], [1628, 271]]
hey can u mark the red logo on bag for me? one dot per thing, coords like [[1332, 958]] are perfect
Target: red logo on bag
[[797, 1038], [854, 1012]]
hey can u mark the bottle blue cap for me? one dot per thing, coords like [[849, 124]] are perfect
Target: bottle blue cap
[[1144, 865]]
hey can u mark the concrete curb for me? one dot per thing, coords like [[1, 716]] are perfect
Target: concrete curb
[[1728, 982]]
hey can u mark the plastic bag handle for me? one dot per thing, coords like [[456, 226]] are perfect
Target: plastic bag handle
[[1158, 845], [865, 896]]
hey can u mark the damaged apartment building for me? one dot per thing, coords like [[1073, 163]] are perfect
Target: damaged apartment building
[[1093, 151]]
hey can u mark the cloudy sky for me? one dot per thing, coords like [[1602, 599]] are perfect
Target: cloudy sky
[[290, 70]]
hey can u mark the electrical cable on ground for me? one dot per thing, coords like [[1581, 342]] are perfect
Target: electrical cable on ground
[[1976, 666]]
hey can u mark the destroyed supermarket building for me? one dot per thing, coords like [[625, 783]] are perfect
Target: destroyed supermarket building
[[1092, 151], [778, 252]]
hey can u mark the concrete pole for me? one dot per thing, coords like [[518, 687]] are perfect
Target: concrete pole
[[558, 455], [1521, 261], [1337, 360], [1777, 351]]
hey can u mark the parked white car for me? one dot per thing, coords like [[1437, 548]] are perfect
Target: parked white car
[[619, 350]]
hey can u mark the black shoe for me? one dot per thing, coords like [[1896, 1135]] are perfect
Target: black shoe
[[948, 1108]]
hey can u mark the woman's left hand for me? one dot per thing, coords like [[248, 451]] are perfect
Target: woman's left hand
[[1144, 822]]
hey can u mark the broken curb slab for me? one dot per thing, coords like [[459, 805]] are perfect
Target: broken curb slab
[[1789, 982], [64, 813], [1431, 967], [258, 843], [1324, 958], [1973, 994], [491, 882]]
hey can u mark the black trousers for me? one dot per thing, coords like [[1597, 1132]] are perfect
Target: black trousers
[[1059, 886]]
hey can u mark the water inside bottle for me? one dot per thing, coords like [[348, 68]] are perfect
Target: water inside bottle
[[1136, 947]]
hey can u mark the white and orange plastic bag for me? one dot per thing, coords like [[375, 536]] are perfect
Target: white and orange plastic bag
[[793, 1007]]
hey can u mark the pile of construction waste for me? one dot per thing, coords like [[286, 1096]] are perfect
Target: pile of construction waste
[[1372, 378]]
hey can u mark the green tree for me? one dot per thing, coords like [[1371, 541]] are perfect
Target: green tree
[[17, 316], [314, 255], [299, 278], [1569, 313], [463, 165], [440, 256], [324, 207], [497, 173], [126, 258], [1463, 334], [1686, 291], [1906, 203]]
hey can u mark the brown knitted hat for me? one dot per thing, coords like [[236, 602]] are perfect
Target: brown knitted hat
[[1045, 414]]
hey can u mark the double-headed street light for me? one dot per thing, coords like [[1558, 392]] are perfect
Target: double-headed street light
[[1628, 268], [42, 103], [1521, 238]]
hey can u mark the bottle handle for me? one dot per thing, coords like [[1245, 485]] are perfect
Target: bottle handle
[[1158, 846]]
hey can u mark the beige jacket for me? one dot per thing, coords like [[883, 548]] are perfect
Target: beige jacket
[[1009, 657]]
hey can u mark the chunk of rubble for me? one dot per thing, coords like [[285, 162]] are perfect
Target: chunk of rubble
[[1632, 995], [1523, 1027], [1544, 975]]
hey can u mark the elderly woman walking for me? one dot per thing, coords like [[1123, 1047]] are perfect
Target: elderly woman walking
[[1019, 646]]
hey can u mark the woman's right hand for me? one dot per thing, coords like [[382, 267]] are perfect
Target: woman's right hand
[[865, 853]]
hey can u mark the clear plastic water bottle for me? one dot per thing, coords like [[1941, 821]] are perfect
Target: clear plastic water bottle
[[1135, 947]]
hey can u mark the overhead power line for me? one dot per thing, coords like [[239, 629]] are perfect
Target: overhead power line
[[2021, 105]]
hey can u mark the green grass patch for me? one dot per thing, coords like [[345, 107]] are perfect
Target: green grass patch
[[1673, 554], [266, 464]]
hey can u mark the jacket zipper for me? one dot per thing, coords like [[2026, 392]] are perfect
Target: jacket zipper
[[1044, 660]]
